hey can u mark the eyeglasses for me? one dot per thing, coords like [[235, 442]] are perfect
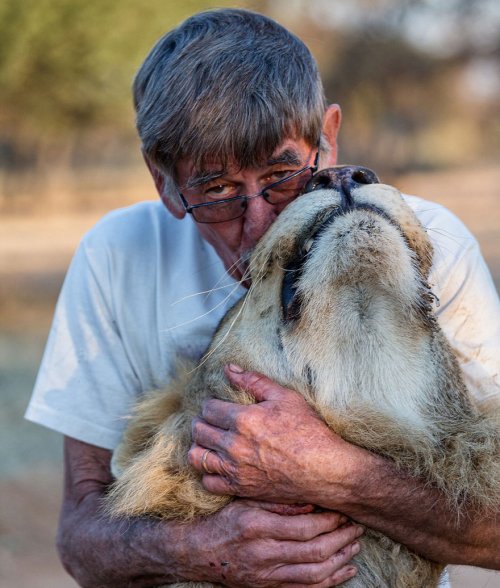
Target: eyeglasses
[[280, 192]]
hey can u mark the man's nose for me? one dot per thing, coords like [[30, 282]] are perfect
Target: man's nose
[[259, 216], [342, 179]]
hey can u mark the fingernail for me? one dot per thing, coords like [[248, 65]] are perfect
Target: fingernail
[[235, 369], [351, 571], [360, 531], [355, 547]]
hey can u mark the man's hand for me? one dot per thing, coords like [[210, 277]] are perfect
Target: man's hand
[[279, 450], [246, 544], [274, 450]]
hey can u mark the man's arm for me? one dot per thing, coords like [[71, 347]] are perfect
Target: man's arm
[[244, 544], [279, 447]]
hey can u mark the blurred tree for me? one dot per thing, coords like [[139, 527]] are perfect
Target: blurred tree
[[397, 68], [418, 80], [67, 65], [387, 90]]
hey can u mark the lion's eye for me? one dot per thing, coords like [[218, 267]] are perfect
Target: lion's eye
[[290, 299], [308, 245]]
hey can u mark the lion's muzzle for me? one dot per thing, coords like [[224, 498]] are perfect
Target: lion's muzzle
[[343, 179]]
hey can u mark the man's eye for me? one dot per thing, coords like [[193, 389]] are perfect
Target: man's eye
[[219, 191], [278, 175]]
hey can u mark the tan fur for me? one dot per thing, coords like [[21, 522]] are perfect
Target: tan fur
[[365, 351]]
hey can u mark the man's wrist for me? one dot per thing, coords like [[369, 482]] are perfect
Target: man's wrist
[[349, 475], [373, 491], [189, 539]]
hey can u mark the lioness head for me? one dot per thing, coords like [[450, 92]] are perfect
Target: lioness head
[[347, 229], [338, 280]]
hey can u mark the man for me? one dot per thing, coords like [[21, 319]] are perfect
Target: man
[[228, 104]]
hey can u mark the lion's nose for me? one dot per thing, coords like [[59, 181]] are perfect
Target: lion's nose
[[343, 179]]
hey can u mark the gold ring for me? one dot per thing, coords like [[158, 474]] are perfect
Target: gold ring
[[204, 461]]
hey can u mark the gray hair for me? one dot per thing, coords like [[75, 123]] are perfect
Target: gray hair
[[227, 85]]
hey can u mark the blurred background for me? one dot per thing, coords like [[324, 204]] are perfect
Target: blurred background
[[419, 84]]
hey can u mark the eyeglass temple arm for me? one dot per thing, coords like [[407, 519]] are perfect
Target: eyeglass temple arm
[[316, 159], [187, 207]]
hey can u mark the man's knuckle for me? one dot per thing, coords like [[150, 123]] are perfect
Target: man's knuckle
[[255, 379], [241, 422], [317, 575], [228, 471], [342, 575], [225, 485], [349, 535], [320, 552], [248, 526], [303, 532]]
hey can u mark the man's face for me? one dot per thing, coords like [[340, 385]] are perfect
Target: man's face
[[234, 239]]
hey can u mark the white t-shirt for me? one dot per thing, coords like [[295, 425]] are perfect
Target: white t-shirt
[[145, 288]]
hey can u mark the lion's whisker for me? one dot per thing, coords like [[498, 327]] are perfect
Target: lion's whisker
[[241, 310], [447, 234], [209, 291], [244, 277], [231, 267], [205, 313], [212, 351]]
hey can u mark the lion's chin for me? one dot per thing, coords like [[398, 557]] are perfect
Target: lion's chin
[[361, 249]]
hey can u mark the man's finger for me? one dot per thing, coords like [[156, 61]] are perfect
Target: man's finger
[[297, 528], [315, 573], [306, 527], [342, 575], [205, 460], [258, 385], [208, 435], [220, 413], [288, 509], [219, 484], [336, 579], [322, 547]]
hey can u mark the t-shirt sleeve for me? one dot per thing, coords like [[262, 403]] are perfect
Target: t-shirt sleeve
[[86, 383], [469, 311]]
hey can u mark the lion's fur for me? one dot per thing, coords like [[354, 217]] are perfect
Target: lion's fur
[[365, 351]]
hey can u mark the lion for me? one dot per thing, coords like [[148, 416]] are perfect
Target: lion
[[339, 309]]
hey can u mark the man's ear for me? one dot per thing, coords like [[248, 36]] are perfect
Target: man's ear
[[331, 127], [171, 201]]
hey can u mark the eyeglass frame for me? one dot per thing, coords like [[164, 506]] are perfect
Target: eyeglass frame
[[190, 207]]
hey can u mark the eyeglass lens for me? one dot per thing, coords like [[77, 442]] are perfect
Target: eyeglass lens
[[277, 193]]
